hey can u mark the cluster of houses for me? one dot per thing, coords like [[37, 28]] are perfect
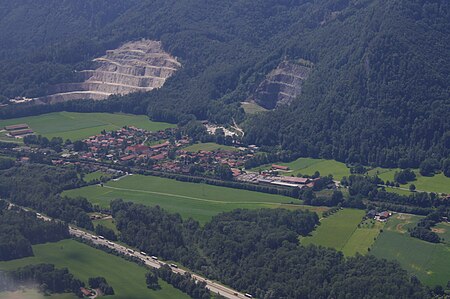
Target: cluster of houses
[[18, 131], [159, 151], [206, 160], [128, 145]]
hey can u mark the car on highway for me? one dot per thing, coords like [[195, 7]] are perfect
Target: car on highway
[[154, 258], [174, 265], [101, 237]]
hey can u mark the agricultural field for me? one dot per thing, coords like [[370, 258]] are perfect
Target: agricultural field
[[34, 294], [337, 230], [438, 183], [84, 262], [76, 126], [199, 201], [109, 223], [429, 262], [96, 175], [309, 166], [209, 146], [252, 108], [443, 230], [363, 238]]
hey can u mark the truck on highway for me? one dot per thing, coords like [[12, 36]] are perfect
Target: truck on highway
[[174, 265], [101, 237], [143, 253], [154, 258]]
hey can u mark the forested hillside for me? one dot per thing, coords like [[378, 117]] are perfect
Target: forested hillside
[[378, 92]]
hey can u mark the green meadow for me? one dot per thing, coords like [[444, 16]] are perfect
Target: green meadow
[[109, 223], [252, 108], [209, 146], [438, 183], [429, 262], [337, 230], [75, 126], [96, 175], [309, 166], [363, 238], [83, 261], [198, 201]]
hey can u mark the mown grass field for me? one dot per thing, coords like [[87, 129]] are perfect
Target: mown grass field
[[309, 166], [96, 175], [34, 294], [109, 223], [75, 126], [209, 146], [429, 262], [337, 230], [443, 230], [198, 201], [127, 278], [438, 183], [363, 238]]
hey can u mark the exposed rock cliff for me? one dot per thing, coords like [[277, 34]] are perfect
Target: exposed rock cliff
[[135, 66], [282, 84]]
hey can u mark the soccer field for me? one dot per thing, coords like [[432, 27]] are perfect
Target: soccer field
[[198, 201], [83, 261], [75, 126]]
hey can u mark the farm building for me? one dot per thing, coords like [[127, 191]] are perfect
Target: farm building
[[21, 133], [17, 127], [280, 167]]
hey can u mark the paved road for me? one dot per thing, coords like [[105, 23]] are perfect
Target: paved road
[[153, 262]]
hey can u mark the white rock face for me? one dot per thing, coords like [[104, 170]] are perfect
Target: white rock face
[[135, 66], [282, 85]]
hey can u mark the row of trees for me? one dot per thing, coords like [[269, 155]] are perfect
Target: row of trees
[[423, 229], [49, 279], [102, 284], [185, 283], [20, 229], [257, 251], [37, 186]]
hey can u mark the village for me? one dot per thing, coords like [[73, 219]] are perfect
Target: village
[[164, 151]]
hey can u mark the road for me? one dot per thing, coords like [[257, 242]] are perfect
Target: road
[[149, 261], [154, 262]]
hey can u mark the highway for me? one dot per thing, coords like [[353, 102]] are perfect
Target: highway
[[150, 261]]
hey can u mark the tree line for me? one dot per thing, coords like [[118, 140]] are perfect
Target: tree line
[[20, 229], [257, 251]]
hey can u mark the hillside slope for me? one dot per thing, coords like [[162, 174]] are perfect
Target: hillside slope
[[378, 92]]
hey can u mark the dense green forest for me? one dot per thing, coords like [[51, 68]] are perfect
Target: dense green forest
[[37, 186], [20, 229], [49, 279], [378, 93], [257, 251]]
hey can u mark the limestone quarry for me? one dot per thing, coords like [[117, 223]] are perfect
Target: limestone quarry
[[282, 85], [137, 66]]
